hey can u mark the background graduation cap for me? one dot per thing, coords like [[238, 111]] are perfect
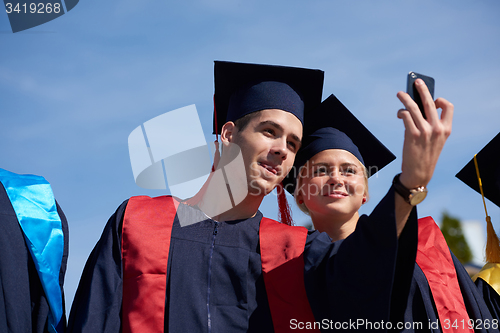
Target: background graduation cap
[[332, 113], [232, 78], [482, 174], [488, 161]]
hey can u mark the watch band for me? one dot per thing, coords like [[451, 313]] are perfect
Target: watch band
[[413, 196]]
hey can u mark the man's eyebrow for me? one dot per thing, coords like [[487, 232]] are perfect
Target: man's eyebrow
[[271, 123], [280, 128]]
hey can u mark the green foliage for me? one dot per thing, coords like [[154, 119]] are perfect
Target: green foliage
[[452, 231]]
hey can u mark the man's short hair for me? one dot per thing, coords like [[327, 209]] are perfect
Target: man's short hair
[[242, 122]]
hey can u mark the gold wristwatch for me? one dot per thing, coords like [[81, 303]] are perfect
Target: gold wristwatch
[[412, 196]]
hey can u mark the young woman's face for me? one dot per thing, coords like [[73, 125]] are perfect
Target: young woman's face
[[333, 182]]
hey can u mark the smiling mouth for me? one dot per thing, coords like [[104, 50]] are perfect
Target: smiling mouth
[[269, 168], [336, 194]]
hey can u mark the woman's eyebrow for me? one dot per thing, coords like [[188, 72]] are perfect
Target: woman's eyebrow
[[349, 164], [320, 164]]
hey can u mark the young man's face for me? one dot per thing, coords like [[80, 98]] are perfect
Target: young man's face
[[268, 143]]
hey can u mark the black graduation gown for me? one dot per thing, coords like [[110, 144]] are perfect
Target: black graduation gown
[[412, 301], [23, 305], [215, 282], [490, 296]]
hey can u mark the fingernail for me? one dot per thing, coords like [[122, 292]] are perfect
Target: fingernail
[[419, 81]]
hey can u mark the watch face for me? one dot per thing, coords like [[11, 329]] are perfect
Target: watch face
[[417, 197]]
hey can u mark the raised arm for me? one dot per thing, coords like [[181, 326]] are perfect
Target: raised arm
[[423, 143]]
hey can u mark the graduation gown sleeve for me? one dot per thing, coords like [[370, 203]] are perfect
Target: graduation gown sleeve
[[98, 300], [476, 307], [412, 300], [490, 296]]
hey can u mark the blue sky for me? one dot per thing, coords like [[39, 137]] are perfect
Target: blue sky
[[73, 89]]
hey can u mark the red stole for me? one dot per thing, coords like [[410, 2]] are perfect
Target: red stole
[[282, 255], [434, 258], [147, 226]]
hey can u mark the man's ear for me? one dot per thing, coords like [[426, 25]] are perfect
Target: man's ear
[[228, 132]]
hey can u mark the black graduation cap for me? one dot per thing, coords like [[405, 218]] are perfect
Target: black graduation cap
[[488, 160], [242, 88], [333, 126], [488, 170]]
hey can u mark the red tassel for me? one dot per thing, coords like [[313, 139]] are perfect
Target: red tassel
[[285, 213]]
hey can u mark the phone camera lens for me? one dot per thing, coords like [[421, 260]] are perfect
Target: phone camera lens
[[413, 75]]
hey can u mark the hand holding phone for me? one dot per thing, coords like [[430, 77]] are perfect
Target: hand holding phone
[[412, 90]]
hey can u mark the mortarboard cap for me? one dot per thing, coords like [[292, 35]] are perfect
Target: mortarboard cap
[[488, 170], [241, 89], [333, 126], [488, 160]]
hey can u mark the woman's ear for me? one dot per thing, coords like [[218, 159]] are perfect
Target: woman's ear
[[227, 133]]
